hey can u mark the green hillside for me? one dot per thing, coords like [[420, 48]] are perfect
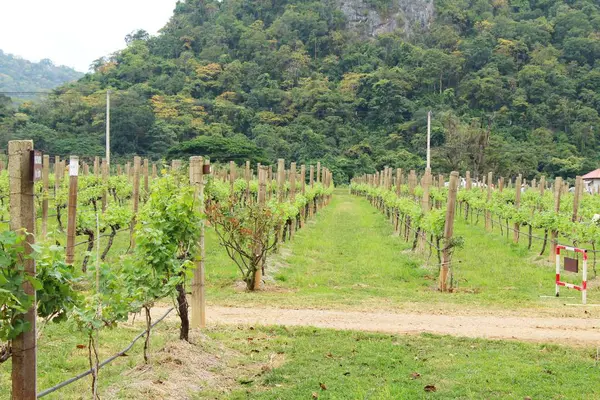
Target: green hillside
[[513, 85], [19, 75]]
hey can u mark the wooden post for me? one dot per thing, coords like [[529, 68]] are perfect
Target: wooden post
[[501, 184], [269, 178], [198, 279], [576, 197], [248, 177], [303, 186], [517, 227], [488, 214], [97, 166], [232, 176], [318, 171], [57, 174], [146, 171], [292, 195], [412, 177], [72, 209], [311, 174], [542, 185], [554, 235], [292, 182], [281, 179], [303, 178], [448, 230], [105, 173], [128, 171], [119, 170], [386, 177], [45, 194], [262, 188], [440, 181], [22, 219], [425, 182], [137, 161], [154, 172], [398, 181], [175, 165]]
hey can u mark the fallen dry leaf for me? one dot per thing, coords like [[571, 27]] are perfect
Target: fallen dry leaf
[[323, 387], [81, 346], [329, 355], [315, 395], [430, 388], [415, 375]]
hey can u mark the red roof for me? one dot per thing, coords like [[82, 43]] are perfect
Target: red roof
[[595, 174]]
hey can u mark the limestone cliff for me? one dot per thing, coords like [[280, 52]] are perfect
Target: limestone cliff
[[371, 19]]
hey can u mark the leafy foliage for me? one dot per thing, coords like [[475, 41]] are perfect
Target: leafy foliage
[[513, 89], [17, 74]]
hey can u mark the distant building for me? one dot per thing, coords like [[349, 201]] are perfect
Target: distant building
[[592, 181]]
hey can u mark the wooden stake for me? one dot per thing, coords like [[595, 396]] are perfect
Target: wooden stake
[[232, 175], [469, 182], [303, 178], [97, 167], [318, 171], [488, 215], [554, 235], [248, 177], [292, 182], [137, 161], [22, 220], [517, 227], [105, 173], [262, 188], [146, 171], [198, 279], [72, 209], [175, 165], [448, 230], [45, 194], [281, 179], [577, 197], [57, 174]]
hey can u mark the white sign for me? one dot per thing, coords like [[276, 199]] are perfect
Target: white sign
[[74, 166]]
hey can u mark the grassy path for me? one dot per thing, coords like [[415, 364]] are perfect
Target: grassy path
[[348, 258]]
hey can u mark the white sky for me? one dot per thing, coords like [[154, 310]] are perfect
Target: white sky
[[76, 32]]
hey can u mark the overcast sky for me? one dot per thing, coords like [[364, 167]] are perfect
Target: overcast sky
[[76, 32]]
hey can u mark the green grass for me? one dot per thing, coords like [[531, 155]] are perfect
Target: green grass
[[290, 363], [349, 258], [356, 365], [60, 358]]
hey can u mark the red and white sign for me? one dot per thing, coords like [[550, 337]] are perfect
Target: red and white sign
[[583, 287]]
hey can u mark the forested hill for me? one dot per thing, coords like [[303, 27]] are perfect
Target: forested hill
[[19, 75], [513, 85]]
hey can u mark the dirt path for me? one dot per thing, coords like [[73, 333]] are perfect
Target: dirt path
[[579, 331]]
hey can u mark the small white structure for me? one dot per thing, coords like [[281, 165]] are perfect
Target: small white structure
[[592, 181]]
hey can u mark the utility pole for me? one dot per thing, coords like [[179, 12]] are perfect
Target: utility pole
[[108, 128], [428, 139]]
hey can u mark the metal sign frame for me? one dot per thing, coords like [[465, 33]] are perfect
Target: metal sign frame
[[583, 287]]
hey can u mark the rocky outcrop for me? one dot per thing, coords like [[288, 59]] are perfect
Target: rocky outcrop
[[369, 19]]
